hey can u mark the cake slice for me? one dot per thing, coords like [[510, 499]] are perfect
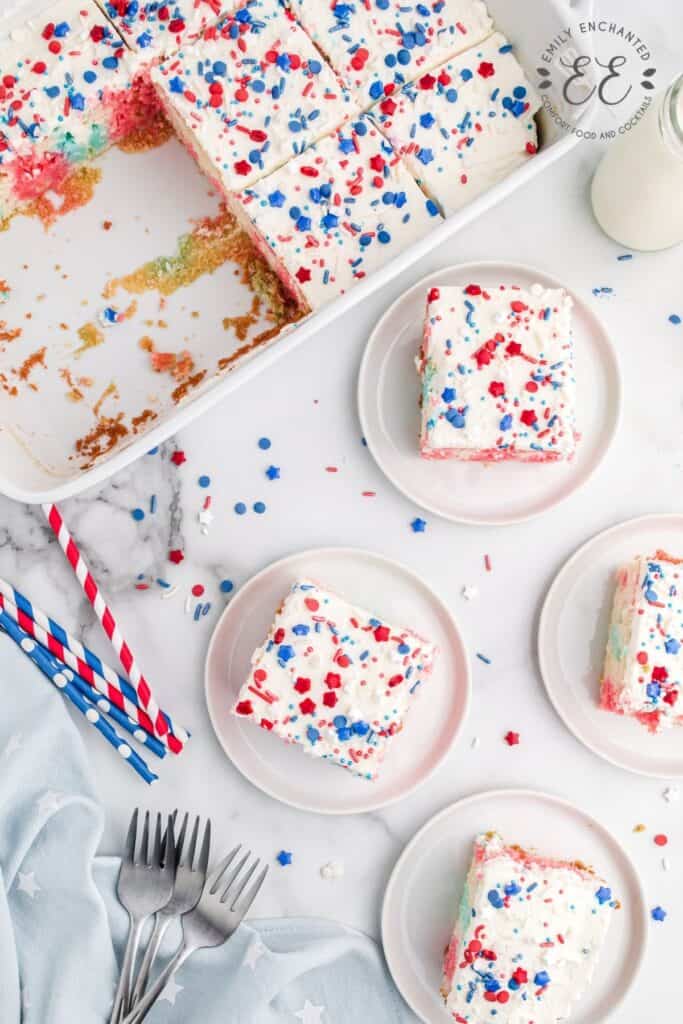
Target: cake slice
[[334, 679], [65, 91], [335, 214], [379, 45], [252, 92], [643, 670], [527, 938], [497, 371], [155, 28], [464, 126]]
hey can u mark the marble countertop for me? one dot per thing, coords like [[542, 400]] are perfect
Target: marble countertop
[[306, 404]]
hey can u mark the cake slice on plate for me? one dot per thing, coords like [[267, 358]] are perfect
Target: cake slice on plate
[[527, 938], [464, 126], [252, 92], [335, 214], [497, 371], [379, 45], [334, 679], [643, 671]]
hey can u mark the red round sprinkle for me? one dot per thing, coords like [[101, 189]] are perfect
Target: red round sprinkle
[[177, 25], [502, 996], [198, 590], [312, 604], [517, 307], [54, 46], [434, 295], [40, 67], [260, 675], [531, 148], [641, 658], [661, 839], [473, 289], [244, 707]]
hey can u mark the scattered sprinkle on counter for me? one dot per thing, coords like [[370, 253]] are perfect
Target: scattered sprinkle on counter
[[176, 556], [138, 514], [226, 586], [240, 508], [197, 590], [332, 870], [675, 319], [660, 839], [639, 828], [259, 507], [658, 913], [264, 443], [671, 794], [512, 738], [284, 858], [482, 657], [470, 593], [625, 256], [273, 472], [204, 481], [178, 458], [418, 525]]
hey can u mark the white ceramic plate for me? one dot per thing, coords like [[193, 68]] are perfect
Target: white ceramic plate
[[422, 897], [469, 492], [571, 646], [283, 771]]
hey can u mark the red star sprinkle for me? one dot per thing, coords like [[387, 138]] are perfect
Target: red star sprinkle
[[528, 417], [486, 69], [176, 556], [303, 274], [307, 706], [333, 680], [330, 699], [496, 388], [381, 633], [512, 738], [244, 707], [178, 458], [302, 685]]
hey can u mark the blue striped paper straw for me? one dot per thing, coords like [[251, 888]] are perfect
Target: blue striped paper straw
[[77, 648], [38, 656], [102, 704]]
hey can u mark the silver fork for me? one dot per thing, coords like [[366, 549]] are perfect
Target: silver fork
[[145, 886], [189, 881], [215, 918]]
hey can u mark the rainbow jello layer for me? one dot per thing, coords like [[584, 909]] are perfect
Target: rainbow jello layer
[[527, 939]]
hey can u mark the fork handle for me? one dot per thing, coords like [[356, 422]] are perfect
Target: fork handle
[[161, 923], [123, 989], [140, 1011]]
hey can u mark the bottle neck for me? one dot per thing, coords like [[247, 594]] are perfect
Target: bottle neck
[[671, 117]]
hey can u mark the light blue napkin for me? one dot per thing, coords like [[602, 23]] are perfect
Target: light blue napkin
[[60, 922]]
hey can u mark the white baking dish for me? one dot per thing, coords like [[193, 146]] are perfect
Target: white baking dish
[[37, 432]]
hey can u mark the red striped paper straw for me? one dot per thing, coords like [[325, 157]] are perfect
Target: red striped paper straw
[[107, 620]]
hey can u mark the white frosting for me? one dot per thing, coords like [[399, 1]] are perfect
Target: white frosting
[[376, 49], [337, 213], [644, 659], [497, 373], [334, 679], [466, 125], [245, 101], [154, 28], [544, 925]]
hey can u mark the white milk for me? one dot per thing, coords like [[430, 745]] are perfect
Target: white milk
[[637, 191]]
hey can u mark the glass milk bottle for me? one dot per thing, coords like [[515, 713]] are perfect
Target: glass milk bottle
[[637, 191]]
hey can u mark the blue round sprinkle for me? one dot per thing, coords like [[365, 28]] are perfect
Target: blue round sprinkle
[[264, 443], [204, 481], [240, 508], [137, 514], [259, 507], [226, 586]]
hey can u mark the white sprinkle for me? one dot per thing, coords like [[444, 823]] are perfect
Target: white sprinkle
[[169, 592], [332, 870], [499, 318], [536, 289], [475, 742], [470, 593], [666, 863], [671, 794], [188, 604]]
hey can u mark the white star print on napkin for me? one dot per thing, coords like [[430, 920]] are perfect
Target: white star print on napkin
[[27, 883], [171, 991], [310, 1014], [254, 954], [49, 802]]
